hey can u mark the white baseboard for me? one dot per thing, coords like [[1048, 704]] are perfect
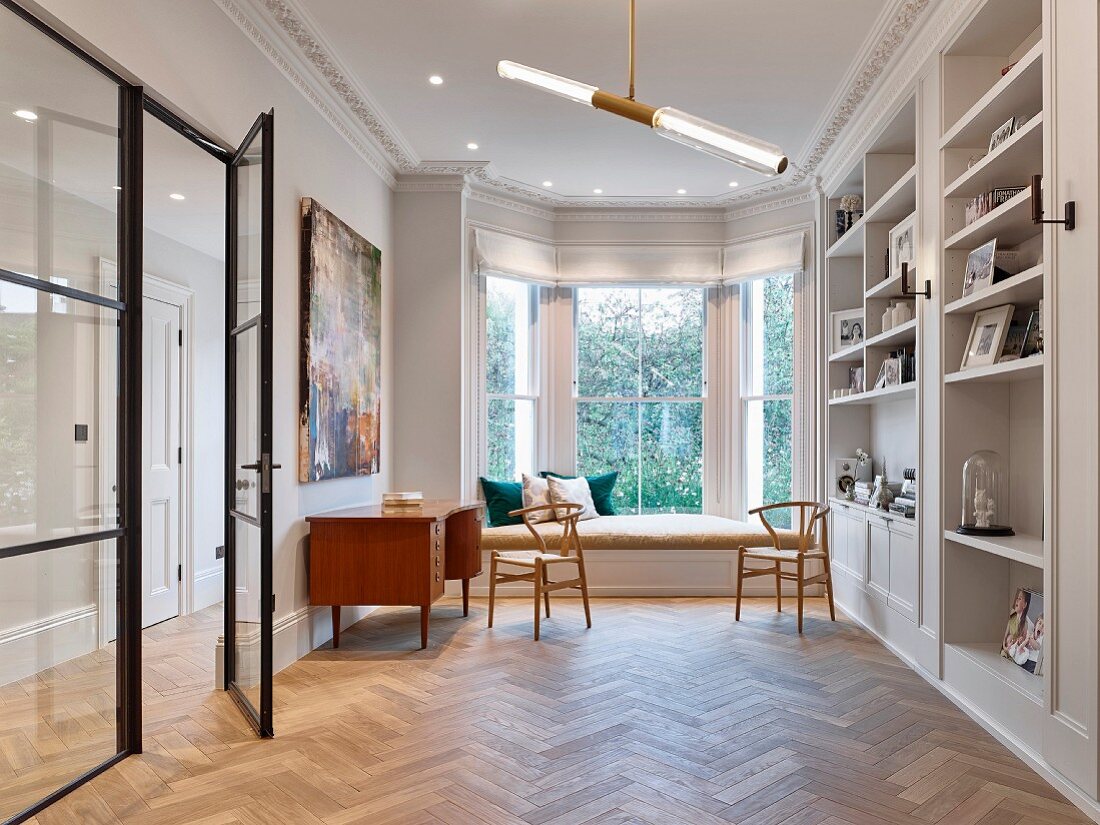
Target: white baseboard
[[208, 587], [36, 646], [1089, 806], [647, 574], [296, 635]]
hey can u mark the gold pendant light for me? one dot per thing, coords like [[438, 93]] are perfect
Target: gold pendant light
[[673, 124]]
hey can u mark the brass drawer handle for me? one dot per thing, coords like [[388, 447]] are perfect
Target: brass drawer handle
[[437, 577], [437, 561]]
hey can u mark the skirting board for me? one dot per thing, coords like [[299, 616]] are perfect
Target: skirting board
[[63, 637], [1032, 758], [646, 573], [208, 587], [296, 635]]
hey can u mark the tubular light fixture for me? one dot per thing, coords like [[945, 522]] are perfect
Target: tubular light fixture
[[673, 124]]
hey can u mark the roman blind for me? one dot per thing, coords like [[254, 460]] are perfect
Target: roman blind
[[771, 255], [512, 256]]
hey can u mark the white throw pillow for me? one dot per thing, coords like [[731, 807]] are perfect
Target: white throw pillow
[[537, 491], [575, 491]]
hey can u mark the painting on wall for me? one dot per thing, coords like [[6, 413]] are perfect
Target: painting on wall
[[341, 328]]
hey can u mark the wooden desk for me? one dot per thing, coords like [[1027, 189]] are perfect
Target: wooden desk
[[364, 555]]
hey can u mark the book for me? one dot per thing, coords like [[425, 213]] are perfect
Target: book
[[414, 495]]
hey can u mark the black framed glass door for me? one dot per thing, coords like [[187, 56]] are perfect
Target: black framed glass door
[[249, 597]]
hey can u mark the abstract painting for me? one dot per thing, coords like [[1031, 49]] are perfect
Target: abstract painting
[[341, 327]]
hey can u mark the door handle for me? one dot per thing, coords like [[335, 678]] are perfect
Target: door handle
[[257, 466]]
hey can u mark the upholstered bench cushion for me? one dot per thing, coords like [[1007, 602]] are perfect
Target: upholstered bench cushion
[[654, 532]]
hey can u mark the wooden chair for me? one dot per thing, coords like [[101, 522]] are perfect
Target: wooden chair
[[811, 516], [540, 561]]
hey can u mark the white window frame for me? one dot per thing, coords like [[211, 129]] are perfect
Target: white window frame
[[702, 398]]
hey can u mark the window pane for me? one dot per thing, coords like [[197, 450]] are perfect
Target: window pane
[[58, 414], [607, 439], [508, 337], [608, 342], [770, 336], [672, 457], [768, 450], [672, 342], [511, 438]]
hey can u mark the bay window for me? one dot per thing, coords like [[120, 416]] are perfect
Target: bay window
[[639, 385], [511, 377]]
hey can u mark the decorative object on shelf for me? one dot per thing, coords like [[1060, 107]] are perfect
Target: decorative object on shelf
[[987, 336], [1070, 219], [902, 313], [974, 160], [1003, 194], [842, 223], [1034, 343], [984, 496], [905, 504], [670, 123], [1006, 69], [888, 317], [1024, 634], [880, 379], [847, 328], [886, 265], [884, 491], [979, 268], [847, 471], [340, 394], [903, 245], [855, 379], [1002, 133], [977, 207], [851, 204]]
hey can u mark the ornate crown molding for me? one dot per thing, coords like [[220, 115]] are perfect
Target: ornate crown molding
[[381, 144]]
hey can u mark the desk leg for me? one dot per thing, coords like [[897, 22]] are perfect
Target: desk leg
[[336, 625], [425, 611], [465, 597]]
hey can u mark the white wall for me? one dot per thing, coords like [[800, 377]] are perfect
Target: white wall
[[192, 55]]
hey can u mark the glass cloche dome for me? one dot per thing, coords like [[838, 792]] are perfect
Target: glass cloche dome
[[985, 496]]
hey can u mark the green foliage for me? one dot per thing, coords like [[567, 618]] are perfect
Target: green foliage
[[18, 431], [778, 380]]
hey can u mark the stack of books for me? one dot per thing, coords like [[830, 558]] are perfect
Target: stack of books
[[906, 502], [863, 491], [395, 502]]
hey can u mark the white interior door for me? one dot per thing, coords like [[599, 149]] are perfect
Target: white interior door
[[160, 436]]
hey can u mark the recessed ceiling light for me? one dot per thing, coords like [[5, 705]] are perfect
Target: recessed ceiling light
[[733, 183], [471, 146], [548, 183], [26, 114], [435, 80], [176, 196], [681, 191], [597, 191]]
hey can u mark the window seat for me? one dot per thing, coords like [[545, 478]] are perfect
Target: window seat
[[653, 555], [666, 531]]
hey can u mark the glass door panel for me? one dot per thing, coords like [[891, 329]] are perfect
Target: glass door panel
[[249, 589]]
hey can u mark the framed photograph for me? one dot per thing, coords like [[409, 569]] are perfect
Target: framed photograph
[[1014, 342], [855, 379], [987, 336], [1002, 133], [892, 369], [847, 328], [979, 268], [903, 245], [1033, 337], [880, 381], [1025, 631]]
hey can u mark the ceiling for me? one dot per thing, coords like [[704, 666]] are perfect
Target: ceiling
[[767, 68]]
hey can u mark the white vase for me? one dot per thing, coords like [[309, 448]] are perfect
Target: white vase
[[888, 318], [901, 313]]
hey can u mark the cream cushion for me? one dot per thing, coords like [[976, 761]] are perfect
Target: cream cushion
[[574, 491], [654, 532], [536, 491]]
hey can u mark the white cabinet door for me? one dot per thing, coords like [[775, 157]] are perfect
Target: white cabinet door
[[903, 571], [857, 546], [879, 574], [838, 537]]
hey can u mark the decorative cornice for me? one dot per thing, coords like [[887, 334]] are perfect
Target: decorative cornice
[[383, 138], [770, 206]]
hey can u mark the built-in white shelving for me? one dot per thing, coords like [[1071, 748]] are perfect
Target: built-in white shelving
[[1003, 671], [1024, 288], [895, 336], [1022, 548], [901, 391], [1006, 372], [850, 354], [1014, 160], [1010, 223]]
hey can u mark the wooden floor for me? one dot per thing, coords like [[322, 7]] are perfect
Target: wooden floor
[[665, 712]]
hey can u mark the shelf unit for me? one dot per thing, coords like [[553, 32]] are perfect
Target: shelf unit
[[878, 552], [999, 407]]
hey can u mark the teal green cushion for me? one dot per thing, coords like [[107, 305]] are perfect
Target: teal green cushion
[[501, 498], [601, 487]]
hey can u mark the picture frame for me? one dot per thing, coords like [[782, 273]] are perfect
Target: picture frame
[[987, 336], [903, 245], [847, 328], [1015, 339], [892, 370], [1002, 133], [979, 268], [855, 379], [1025, 631], [1033, 337], [880, 380]]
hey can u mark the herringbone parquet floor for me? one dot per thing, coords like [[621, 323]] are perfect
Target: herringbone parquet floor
[[665, 712]]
